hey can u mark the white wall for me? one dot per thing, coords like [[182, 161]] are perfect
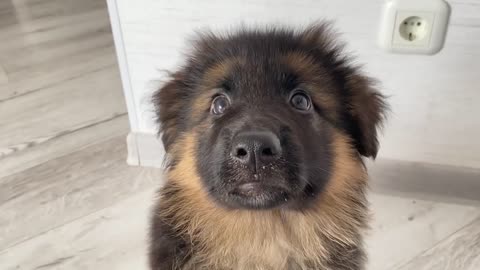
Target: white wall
[[435, 99]]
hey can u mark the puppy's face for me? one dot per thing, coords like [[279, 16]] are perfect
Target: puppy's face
[[265, 143], [264, 109]]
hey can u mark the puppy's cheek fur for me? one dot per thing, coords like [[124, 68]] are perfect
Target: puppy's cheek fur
[[348, 171], [187, 170]]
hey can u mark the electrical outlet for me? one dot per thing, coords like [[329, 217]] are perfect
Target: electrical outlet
[[413, 26]]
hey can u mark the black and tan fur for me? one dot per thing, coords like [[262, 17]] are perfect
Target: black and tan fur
[[193, 229]]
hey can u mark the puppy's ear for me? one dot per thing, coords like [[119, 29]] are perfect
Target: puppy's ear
[[367, 108], [168, 102]]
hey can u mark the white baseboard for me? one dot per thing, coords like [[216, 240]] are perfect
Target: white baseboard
[[145, 149], [426, 181]]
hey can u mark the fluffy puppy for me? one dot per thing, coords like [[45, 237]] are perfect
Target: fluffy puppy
[[265, 131]]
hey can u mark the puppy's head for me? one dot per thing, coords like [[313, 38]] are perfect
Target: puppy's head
[[264, 109]]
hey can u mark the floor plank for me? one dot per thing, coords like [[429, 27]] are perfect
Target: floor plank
[[41, 116], [23, 15], [43, 49], [47, 74], [460, 251], [22, 58], [27, 30], [69, 187], [63, 145], [403, 227], [113, 238], [3, 77]]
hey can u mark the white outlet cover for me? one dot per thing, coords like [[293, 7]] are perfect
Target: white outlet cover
[[399, 32]]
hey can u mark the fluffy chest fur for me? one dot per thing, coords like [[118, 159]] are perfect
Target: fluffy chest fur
[[272, 242]]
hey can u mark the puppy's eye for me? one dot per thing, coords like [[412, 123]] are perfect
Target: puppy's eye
[[301, 101], [219, 105]]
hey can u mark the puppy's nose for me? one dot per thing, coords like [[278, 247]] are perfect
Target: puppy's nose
[[256, 147]]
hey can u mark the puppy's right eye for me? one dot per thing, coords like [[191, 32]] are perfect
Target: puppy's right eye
[[301, 101], [219, 104]]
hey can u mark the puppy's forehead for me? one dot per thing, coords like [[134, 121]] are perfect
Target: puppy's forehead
[[271, 68]]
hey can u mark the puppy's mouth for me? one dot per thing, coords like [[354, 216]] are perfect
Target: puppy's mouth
[[259, 195]]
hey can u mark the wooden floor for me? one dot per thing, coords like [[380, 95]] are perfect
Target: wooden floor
[[69, 201]]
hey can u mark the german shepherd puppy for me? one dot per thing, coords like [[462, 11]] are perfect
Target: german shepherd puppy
[[265, 131]]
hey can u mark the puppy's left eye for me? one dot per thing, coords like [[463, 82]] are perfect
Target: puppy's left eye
[[219, 105], [301, 101]]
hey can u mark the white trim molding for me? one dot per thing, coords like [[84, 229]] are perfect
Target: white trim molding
[[123, 63]]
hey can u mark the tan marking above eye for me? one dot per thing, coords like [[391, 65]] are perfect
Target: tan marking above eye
[[213, 77], [315, 80], [217, 73]]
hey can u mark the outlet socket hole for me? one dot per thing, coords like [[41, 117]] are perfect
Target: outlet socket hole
[[413, 29]]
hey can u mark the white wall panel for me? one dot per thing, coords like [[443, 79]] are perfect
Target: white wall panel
[[435, 99]]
